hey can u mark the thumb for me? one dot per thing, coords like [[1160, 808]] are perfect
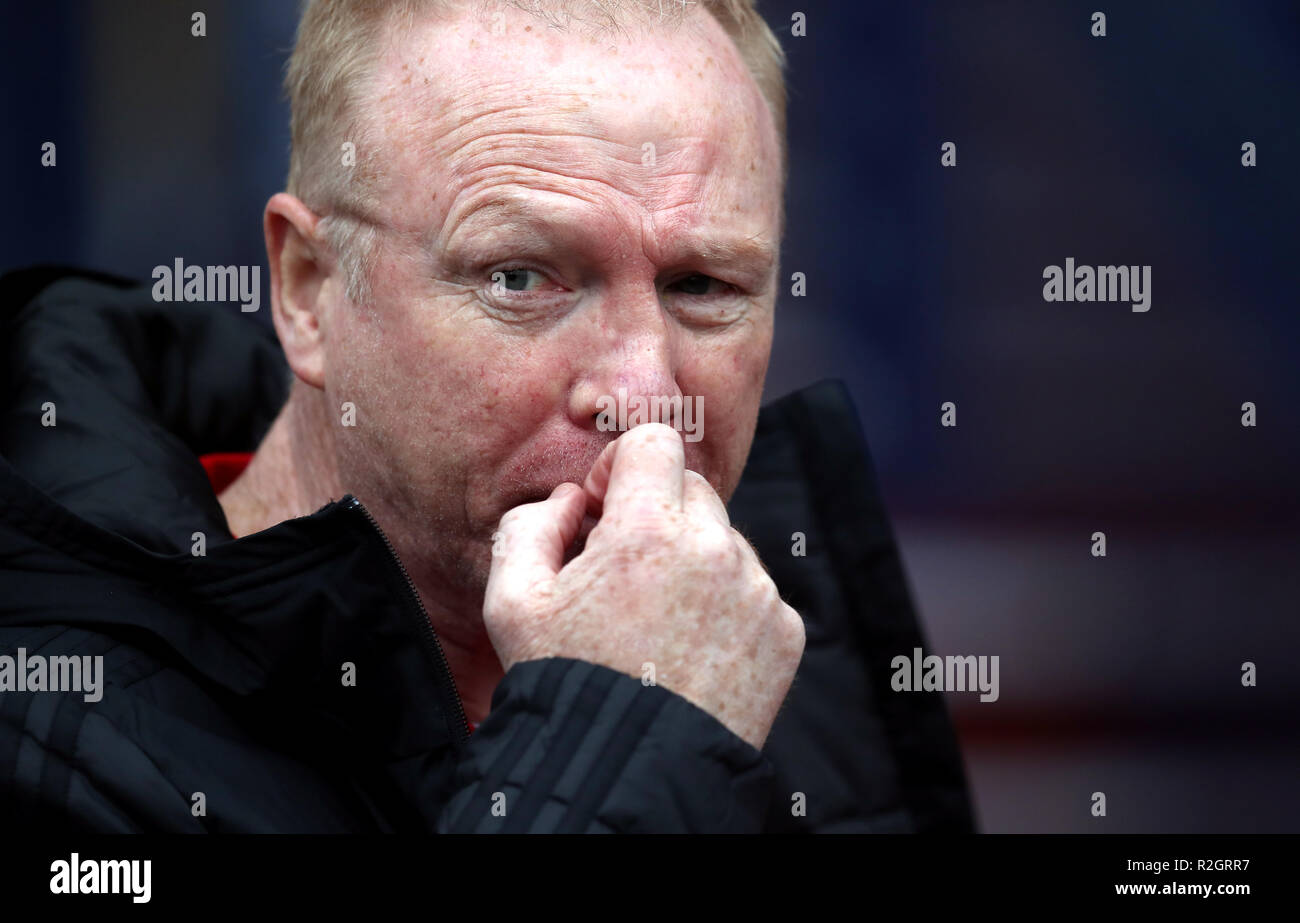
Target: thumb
[[530, 543]]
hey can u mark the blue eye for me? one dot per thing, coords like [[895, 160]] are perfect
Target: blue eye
[[516, 280]]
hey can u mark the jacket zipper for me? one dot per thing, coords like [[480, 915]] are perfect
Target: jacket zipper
[[416, 606]]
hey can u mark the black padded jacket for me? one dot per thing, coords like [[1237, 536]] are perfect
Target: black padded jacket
[[223, 707]]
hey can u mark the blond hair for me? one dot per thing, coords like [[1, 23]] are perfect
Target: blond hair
[[336, 51]]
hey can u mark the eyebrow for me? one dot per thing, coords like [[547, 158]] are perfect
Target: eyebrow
[[751, 251], [754, 252]]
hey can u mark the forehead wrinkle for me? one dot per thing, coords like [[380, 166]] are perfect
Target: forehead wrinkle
[[502, 125], [559, 157], [501, 107], [505, 197], [676, 240], [493, 126], [465, 92], [583, 175], [553, 152], [638, 190]]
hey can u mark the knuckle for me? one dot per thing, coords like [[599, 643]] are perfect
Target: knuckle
[[505, 604], [693, 477], [743, 544], [496, 605], [792, 629], [717, 548]]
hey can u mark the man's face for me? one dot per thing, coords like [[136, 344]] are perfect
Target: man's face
[[626, 191]]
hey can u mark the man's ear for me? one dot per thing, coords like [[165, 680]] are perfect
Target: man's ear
[[299, 268]]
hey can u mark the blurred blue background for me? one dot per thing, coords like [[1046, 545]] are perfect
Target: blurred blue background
[[924, 285]]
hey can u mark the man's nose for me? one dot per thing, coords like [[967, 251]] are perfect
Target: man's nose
[[630, 365]]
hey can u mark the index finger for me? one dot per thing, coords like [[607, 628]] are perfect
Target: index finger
[[642, 469]]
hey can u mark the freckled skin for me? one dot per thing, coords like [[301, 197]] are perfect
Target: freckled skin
[[470, 408], [616, 173], [664, 580]]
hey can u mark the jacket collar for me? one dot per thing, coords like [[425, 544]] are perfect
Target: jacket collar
[[136, 391], [113, 493], [140, 390]]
